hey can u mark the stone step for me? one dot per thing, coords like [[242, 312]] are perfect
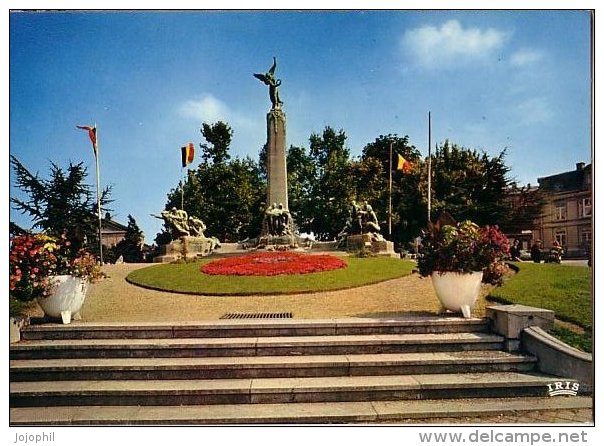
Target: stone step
[[277, 390], [267, 366], [255, 328], [296, 413], [250, 346], [292, 413]]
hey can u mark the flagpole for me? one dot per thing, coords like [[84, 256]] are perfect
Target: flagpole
[[429, 165], [98, 195], [182, 189], [390, 195]]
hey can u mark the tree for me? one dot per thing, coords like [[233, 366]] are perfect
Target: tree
[[228, 195], [408, 204], [229, 198], [219, 136], [301, 173], [131, 247], [469, 185], [15, 230], [524, 208], [263, 162], [332, 190], [62, 204], [328, 147]]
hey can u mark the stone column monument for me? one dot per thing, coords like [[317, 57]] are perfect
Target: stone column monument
[[276, 158], [277, 227]]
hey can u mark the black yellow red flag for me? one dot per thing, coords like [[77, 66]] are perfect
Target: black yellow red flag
[[188, 153]]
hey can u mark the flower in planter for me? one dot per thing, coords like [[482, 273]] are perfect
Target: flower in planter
[[35, 258], [464, 247]]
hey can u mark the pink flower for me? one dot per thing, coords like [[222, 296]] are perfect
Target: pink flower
[[272, 264]]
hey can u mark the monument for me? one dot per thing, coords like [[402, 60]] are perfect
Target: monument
[[277, 226], [188, 238], [362, 232]]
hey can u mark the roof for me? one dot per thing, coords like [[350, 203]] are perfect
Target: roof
[[112, 226], [567, 181]]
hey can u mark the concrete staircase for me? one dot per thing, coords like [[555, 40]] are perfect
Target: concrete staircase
[[269, 371]]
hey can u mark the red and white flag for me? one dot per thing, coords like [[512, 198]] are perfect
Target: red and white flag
[[91, 135]]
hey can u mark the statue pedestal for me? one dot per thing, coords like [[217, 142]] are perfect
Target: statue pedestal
[[277, 241], [280, 241], [186, 246], [372, 243]]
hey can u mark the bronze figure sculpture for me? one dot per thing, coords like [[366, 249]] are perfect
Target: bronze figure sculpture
[[269, 79]]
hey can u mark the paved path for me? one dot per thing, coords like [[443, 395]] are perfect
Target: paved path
[[566, 416], [114, 299]]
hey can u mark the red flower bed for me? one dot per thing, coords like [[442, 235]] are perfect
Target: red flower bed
[[273, 264]]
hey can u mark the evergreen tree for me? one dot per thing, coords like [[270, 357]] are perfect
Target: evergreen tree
[[131, 247], [61, 204]]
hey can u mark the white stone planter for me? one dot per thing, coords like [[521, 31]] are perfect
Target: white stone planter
[[457, 291], [66, 298]]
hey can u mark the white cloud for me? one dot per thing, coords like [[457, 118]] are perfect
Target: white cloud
[[248, 133], [525, 57], [534, 111], [451, 43], [205, 108]]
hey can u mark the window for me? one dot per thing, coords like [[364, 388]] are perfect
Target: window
[[561, 237], [585, 207], [585, 237], [560, 210]]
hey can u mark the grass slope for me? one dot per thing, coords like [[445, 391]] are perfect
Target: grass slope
[[564, 289], [567, 290], [187, 278]]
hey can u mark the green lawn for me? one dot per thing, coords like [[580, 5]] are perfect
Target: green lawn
[[187, 278], [564, 289]]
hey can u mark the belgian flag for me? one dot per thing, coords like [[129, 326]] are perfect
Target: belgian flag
[[403, 164], [188, 153]]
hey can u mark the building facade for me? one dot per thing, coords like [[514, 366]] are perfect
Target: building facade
[[567, 213], [112, 232]]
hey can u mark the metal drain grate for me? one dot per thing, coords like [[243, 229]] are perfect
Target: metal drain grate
[[286, 315]]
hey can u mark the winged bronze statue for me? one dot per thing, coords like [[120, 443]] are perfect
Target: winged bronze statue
[[269, 79]]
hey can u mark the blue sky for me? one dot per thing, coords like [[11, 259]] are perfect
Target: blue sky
[[492, 80]]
